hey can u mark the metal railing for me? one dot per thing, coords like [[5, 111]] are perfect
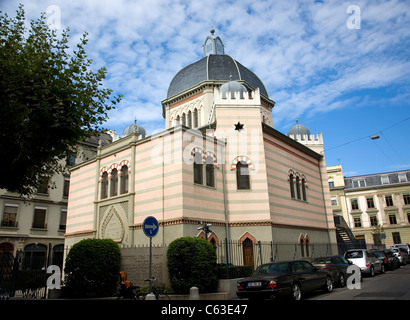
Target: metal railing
[[236, 253]]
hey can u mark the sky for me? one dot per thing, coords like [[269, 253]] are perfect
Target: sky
[[338, 67]]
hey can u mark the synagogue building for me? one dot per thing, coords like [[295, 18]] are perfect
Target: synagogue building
[[218, 161]]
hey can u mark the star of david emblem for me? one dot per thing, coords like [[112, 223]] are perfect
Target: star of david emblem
[[239, 126]]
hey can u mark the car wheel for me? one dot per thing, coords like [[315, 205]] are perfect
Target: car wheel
[[329, 285], [296, 293], [372, 271], [341, 280], [382, 269]]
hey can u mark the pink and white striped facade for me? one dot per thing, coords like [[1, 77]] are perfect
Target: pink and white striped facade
[[160, 179]]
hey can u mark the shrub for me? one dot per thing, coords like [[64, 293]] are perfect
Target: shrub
[[192, 263], [92, 269]]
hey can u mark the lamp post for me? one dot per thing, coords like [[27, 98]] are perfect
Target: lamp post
[[206, 229]]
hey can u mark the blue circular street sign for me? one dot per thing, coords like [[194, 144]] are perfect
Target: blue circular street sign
[[150, 226]]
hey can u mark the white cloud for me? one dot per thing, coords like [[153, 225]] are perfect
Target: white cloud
[[302, 51]]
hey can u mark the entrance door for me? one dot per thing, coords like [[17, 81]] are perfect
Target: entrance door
[[247, 246]]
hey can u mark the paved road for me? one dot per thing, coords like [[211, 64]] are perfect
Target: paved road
[[393, 285]]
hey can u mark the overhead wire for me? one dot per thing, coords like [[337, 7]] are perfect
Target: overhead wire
[[369, 136]]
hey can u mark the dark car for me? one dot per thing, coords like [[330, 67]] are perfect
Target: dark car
[[386, 258], [394, 262], [284, 279], [335, 265]]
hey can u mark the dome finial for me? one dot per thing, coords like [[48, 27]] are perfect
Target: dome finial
[[213, 44]]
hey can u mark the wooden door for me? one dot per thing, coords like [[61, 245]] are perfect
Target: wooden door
[[247, 246]]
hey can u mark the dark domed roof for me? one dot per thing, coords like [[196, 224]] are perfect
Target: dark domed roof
[[298, 129], [232, 87], [214, 67], [130, 129]]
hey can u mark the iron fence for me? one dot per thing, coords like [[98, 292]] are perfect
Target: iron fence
[[237, 253]]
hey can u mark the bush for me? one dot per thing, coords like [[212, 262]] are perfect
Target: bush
[[92, 269], [192, 263]]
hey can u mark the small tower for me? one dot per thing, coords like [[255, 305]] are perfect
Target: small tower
[[302, 134], [213, 45]]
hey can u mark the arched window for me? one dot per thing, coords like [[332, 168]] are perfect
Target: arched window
[[34, 256], [210, 175], [303, 189], [189, 119], [198, 168], [183, 119], [114, 183], [292, 185], [302, 246], [242, 176], [104, 185], [124, 180], [307, 246], [195, 120], [298, 187]]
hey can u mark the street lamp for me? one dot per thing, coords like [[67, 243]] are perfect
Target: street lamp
[[206, 229]]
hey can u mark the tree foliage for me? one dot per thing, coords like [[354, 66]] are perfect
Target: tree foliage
[[192, 263], [50, 99], [92, 269]]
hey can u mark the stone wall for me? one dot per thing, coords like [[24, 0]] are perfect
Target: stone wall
[[135, 262]]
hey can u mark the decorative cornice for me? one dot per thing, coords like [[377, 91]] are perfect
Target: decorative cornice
[[232, 224], [79, 234]]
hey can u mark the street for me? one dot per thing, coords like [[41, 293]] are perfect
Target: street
[[392, 285]]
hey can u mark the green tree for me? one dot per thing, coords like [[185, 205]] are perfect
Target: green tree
[[50, 100]]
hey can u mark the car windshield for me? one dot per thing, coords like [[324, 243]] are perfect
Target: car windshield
[[379, 254], [273, 268], [354, 254], [322, 260]]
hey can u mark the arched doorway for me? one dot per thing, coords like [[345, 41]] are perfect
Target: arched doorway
[[247, 247]]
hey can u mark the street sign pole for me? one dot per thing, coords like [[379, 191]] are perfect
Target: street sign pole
[[150, 264], [150, 227]]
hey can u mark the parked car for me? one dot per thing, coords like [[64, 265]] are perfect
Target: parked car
[[335, 265], [284, 279], [404, 246], [393, 260], [401, 254], [366, 260], [382, 256]]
